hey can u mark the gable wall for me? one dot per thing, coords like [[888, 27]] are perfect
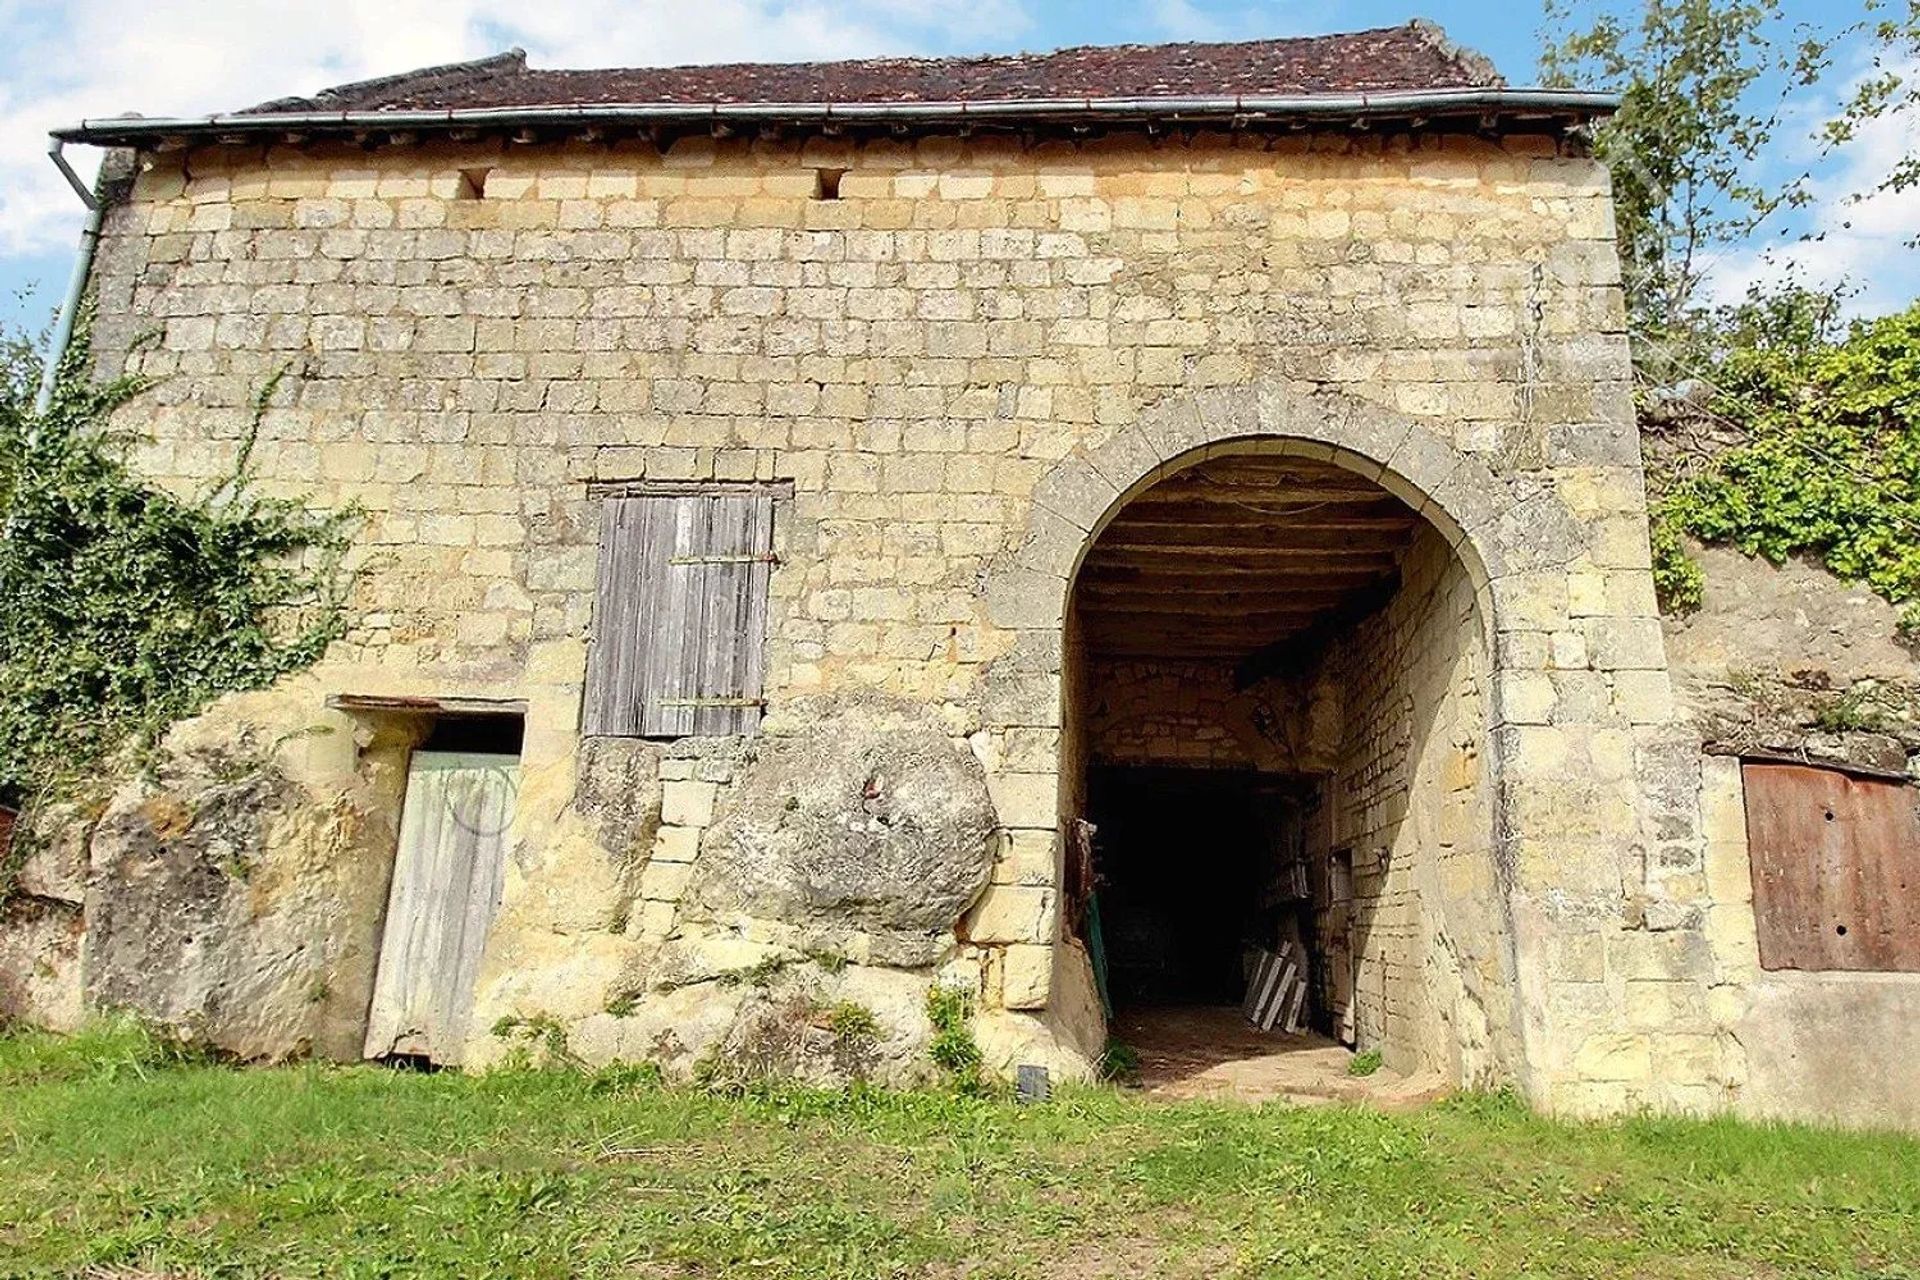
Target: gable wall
[[913, 358]]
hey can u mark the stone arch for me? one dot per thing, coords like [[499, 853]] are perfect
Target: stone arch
[[1499, 526], [1506, 531]]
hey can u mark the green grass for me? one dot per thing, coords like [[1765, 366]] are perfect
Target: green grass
[[120, 1158]]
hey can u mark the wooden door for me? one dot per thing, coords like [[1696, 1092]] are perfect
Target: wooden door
[[1339, 943], [447, 877], [680, 616]]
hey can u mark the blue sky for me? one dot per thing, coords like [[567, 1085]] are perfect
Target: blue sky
[[62, 59]]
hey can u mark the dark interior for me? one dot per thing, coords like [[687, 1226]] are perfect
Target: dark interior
[[482, 734], [1185, 862]]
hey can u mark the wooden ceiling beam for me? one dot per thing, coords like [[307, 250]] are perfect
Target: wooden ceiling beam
[[1223, 562], [1214, 516], [1303, 605], [1201, 538]]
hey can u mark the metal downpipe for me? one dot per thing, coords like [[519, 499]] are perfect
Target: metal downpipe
[[76, 283]]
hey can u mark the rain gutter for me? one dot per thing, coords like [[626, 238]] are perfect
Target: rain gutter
[[1240, 108]]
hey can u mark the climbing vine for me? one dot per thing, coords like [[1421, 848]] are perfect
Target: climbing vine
[[125, 607], [1806, 443]]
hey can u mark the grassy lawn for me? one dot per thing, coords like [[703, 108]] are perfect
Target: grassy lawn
[[117, 1162]]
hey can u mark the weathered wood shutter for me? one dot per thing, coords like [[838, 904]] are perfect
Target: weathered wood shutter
[[1836, 869], [447, 878], [680, 619]]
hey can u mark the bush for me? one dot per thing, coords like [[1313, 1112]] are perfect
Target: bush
[[125, 607], [1824, 458], [953, 1048]]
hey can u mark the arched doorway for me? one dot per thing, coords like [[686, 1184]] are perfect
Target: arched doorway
[[1274, 751]]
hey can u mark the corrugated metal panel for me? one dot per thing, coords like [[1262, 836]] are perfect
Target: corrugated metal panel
[[1836, 869], [680, 618]]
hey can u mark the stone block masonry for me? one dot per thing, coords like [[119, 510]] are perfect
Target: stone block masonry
[[959, 366]]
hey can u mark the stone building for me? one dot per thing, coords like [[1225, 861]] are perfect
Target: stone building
[[798, 498]]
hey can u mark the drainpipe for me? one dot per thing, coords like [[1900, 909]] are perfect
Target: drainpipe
[[76, 284]]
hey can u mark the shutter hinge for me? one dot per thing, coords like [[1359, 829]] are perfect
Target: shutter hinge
[[747, 559], [711, 702]]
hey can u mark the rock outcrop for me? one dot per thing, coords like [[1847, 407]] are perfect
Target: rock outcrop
[[227, 904], [867, 824]]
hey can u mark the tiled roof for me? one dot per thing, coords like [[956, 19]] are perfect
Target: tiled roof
[[1417, 56]]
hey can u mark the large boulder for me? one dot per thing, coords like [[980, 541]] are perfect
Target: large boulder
[[229, 904], [868, 829], [41, 923], [790, 1017]]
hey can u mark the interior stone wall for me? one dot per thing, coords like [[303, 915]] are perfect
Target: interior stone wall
[[1193, 714], [1410, 799]]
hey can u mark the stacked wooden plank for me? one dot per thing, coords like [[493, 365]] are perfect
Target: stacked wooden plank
[[1277, 992]]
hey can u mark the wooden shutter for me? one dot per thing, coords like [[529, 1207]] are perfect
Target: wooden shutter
[[1836, 869], [680, 618]]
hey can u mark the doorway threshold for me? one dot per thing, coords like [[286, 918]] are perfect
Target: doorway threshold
[[1214, 1053]]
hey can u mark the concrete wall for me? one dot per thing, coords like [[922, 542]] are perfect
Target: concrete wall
[[960, 366]]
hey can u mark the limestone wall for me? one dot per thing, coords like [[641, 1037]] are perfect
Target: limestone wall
[[1192, 714], [1789, 661], [958, 365], [1411, 802]]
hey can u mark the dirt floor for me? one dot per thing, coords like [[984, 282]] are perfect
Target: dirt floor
[[1216, 1053]]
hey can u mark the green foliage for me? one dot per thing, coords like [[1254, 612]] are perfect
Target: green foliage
[[1119, 1062], [1692, 124], [1677, 578], [828, 961], [1364, 1064], [535, 1041], [618, 1078], [760, 975], [1865, 707], [852, 1023], [1824, 459], [316, 1170], [1706, 87], [953, 1048], [125, 607], [109, 1048]]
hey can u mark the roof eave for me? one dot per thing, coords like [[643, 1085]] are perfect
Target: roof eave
[[1500, 103]]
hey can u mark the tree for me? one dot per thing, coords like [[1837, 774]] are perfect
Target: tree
[[1707, 87]]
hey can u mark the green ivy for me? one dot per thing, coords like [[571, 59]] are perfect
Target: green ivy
[[1826, 458], [125, 607]]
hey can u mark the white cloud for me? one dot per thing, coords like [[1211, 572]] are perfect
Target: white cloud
[[61, 62], [1861, 243], [1186, 20]]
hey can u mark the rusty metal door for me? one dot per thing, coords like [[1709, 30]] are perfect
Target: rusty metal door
[[1836, 869]]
